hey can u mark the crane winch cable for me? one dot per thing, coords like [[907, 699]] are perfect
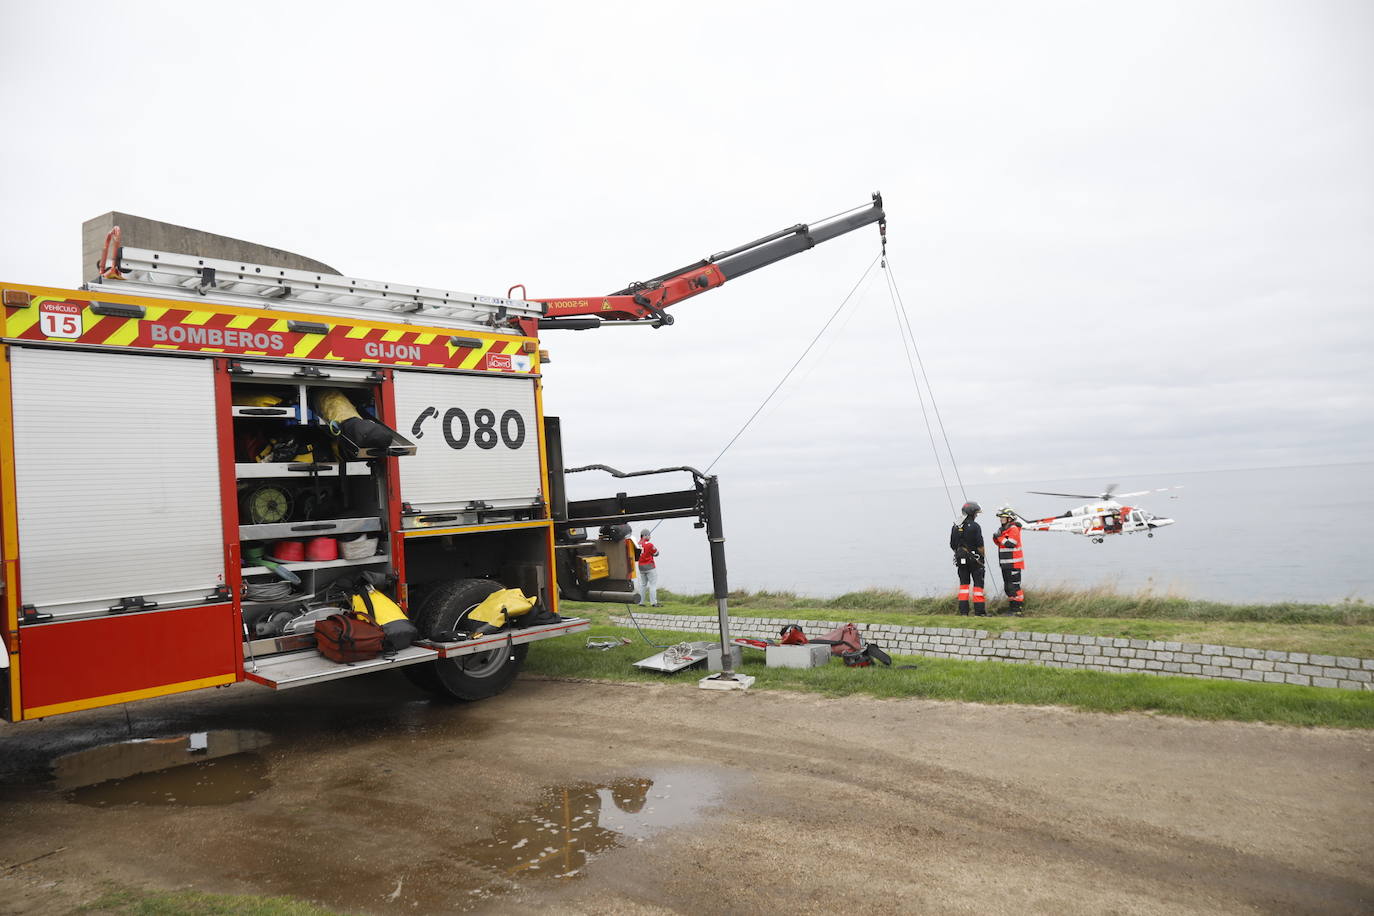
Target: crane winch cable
[[788, 373]]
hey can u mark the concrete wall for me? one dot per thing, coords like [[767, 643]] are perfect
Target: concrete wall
[[1062, 650], [140, 232]]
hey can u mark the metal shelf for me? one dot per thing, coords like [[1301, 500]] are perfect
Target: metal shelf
[[296, 530], [253, 470], [315, 564]]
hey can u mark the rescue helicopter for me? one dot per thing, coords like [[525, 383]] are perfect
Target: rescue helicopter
[[1102, 517]]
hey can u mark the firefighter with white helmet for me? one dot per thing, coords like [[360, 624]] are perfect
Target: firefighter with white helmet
[[1010, 558], [966, 540]]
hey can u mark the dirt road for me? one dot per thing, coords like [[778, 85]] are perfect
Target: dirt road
[[593, 798]]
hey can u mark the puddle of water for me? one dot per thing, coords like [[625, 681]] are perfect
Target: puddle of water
[[573, 824], [210, 782], [177, 770]]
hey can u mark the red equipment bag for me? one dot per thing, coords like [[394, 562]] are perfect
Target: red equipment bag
[[348, 638], [843, 640], [792, 635]]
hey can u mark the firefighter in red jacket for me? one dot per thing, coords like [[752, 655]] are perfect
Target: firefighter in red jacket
[[1010, 558]]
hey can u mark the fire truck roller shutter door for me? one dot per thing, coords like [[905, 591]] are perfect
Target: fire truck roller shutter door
[[476, 438], [109, 445]]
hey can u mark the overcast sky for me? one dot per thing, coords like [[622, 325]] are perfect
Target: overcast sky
[[1131, 237]]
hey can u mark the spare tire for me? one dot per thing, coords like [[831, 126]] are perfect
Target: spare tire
[[465, 677]]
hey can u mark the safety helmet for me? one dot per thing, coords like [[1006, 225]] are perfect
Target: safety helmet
[[644, 533], [972, 508], [1006, 512]]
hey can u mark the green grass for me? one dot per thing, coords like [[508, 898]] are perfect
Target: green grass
[[981, 682], [1056, 602], [194, 903], [1341, 629]]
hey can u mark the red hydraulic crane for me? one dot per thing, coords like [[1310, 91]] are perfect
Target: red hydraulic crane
[[645, 302]]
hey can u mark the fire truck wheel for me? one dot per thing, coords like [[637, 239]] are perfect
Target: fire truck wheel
[[467, 677]]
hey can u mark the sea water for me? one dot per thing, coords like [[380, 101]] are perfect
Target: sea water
[[1243, 536]]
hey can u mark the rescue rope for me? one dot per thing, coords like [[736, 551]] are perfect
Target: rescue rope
[[267, 591], [788, 373], [783, 380], [906, 332]]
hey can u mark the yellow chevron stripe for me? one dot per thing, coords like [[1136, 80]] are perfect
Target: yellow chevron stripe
[[197, 317], [513, 347], [280, 325], [20, 320], [475, 356], [308, 343], [393, 335], [357, 331], [426, 338], [126, 335], [242, 321]]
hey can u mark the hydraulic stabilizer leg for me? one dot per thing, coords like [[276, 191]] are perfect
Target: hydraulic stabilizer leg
[[727, 679]]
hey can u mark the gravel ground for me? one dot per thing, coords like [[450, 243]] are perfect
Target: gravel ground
[[604, 798]]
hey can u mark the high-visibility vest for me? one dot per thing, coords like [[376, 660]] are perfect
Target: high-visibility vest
[[1008, 541]]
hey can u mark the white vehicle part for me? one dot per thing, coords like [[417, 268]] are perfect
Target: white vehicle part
[[476, 438], [116, 463]]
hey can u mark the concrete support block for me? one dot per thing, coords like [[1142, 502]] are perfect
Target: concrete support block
[[796, 656]]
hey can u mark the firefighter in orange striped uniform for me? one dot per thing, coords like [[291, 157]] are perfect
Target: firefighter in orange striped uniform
[[966, 540], [1010, 558]]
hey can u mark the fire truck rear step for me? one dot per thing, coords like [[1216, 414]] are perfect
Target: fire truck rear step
[[298, 669]]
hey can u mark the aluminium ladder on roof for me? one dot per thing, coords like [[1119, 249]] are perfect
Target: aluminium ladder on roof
[[179, 276]]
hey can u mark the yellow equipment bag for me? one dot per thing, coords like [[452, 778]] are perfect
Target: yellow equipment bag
[[387, 614], [498, 609], [334, 405]]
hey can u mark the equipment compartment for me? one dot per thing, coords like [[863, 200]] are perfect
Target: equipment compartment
[[312, 501]]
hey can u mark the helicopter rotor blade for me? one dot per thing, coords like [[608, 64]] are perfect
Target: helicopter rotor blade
[[1133, 493], [1070, 495]]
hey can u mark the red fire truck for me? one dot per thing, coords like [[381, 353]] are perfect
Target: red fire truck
[[180, 504]]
